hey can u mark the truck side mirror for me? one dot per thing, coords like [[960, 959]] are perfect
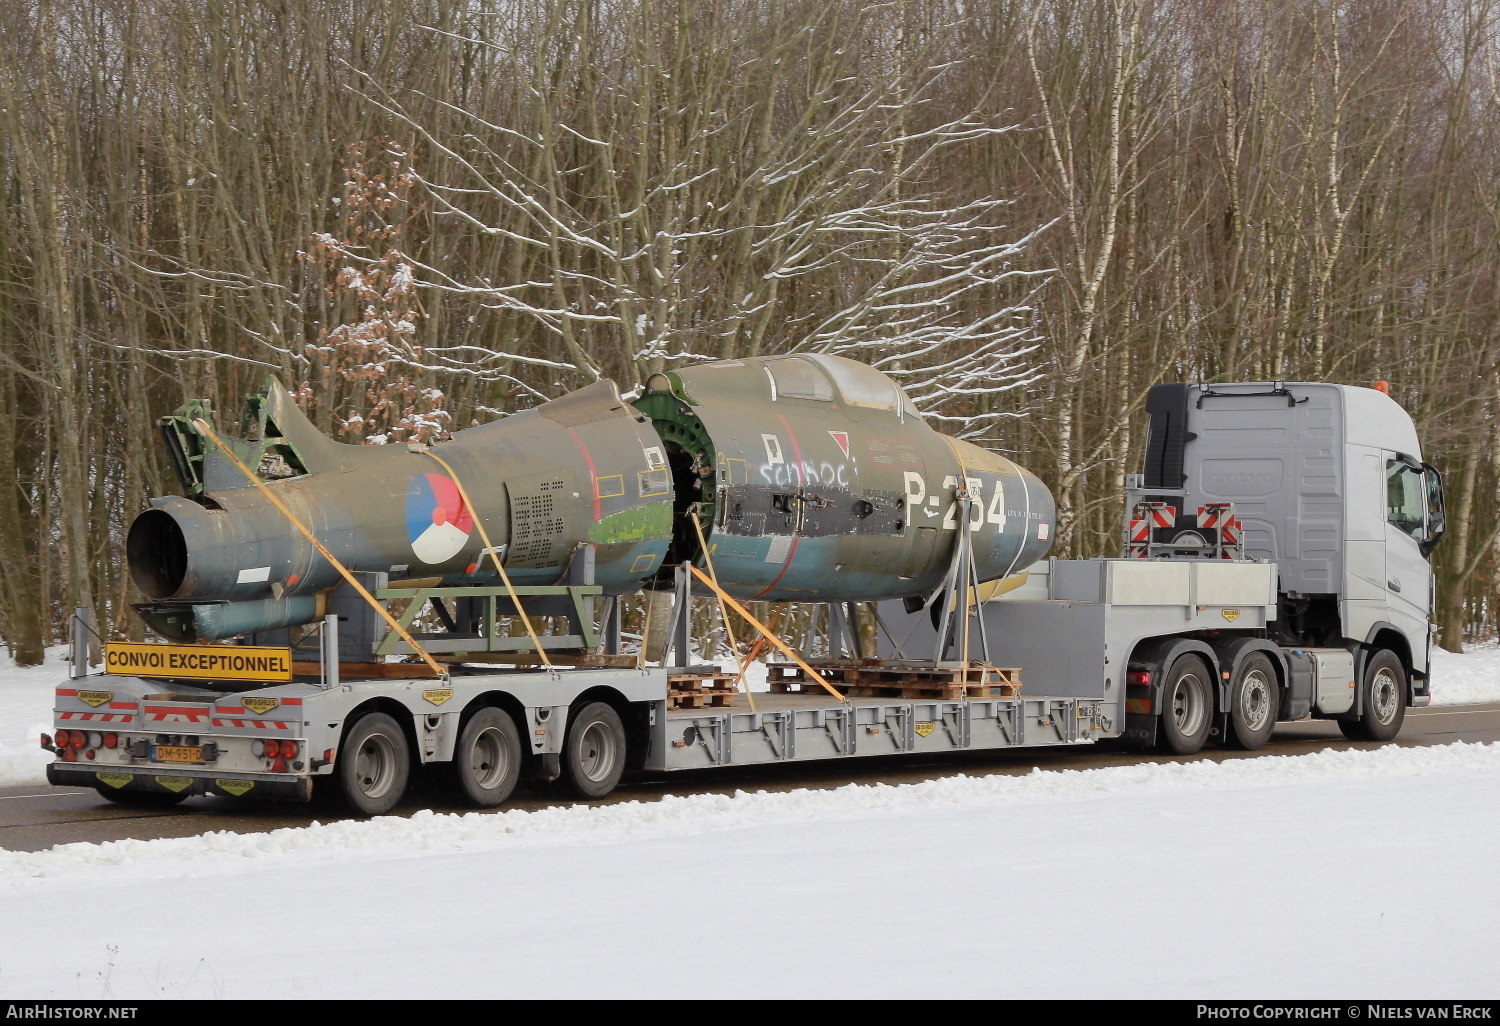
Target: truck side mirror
[[1437, 524]]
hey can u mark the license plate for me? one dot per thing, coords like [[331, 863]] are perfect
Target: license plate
[[176, 753]]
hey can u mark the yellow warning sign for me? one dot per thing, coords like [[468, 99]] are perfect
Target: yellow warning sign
[[259, 705], [234, 787], [95, 697], [437, 696], [115, 779], [175, 783], [1231, 615], [198, 662], [925, 728]]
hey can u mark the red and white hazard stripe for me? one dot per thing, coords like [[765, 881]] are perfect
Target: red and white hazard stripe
[[96, 717], [176, 714], [257, 724]]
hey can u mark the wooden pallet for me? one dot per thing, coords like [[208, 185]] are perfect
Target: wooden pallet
[[870, 679], [700, 691]]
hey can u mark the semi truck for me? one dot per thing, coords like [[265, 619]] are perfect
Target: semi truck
[[1275, 567]]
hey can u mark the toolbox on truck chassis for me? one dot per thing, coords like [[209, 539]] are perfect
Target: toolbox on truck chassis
[[1277, 570]]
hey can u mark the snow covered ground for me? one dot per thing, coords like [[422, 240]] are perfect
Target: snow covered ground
[[26, 701], [1180, 880]]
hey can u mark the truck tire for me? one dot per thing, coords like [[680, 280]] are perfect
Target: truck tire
[[374, 765], [1187, 705], [1254, 700], [1382, 707], [594, 753], [487, 761], [140, 799]]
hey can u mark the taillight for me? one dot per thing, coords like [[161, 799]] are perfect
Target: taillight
[[288, 749], [76, 739], [89, 754], [273, 749], [111, 740], [1138, 678], [60, 741], [46, 740]]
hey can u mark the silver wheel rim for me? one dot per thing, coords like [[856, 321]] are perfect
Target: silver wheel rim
[[1186, 705], [1255, 700], [596, 752], [489, 759], [375, 766], [1385, 695]]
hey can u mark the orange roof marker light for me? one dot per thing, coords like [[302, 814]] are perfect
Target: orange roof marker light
[[1383, 387]]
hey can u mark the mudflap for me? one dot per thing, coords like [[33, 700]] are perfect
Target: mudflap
[[297, 789], [1140, 718]]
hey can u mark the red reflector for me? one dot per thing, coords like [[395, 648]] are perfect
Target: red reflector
[[69, 755], [1138, 678], [278, 766], [273, 749], [110, 740]]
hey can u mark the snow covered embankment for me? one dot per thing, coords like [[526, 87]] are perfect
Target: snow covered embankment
[[1138, 881]]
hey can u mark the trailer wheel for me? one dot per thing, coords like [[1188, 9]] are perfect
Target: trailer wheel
[[487, 761], [594, 754], [1254, 700], [374, 765], [1383, 705], [140, 799], [1187, 705]]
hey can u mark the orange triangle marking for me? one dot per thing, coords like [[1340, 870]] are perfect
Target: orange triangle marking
[[841, 437]]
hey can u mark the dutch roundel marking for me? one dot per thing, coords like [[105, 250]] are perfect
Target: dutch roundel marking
[[437, 521]]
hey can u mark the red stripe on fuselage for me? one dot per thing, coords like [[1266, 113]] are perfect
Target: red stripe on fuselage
[[593, 477]]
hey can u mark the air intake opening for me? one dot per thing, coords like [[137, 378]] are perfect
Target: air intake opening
[[157, 553]]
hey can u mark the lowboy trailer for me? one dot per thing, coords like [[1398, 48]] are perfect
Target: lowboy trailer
[[1276, 568]]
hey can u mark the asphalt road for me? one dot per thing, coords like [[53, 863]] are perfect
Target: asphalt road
[[38, 817]]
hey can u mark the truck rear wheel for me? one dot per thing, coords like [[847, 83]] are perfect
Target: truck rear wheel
[[1187, 705], [594, 754], [487, 761], [374, 765], [1383, 703], [1254, 701]]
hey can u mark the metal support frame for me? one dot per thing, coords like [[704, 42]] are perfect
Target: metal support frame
[[551, 600]]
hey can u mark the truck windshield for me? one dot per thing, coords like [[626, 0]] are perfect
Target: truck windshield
[[1405, 499]]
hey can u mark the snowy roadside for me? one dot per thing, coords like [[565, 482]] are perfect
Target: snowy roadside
[[1164, 880], [26, 701]]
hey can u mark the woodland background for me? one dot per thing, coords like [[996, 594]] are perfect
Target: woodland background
[[425, 213]]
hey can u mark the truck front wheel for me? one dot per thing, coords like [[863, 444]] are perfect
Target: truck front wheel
[[594, 754], [1187, 705], [1382, 708], [488, 759], [1253, 702], [374, 765]]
